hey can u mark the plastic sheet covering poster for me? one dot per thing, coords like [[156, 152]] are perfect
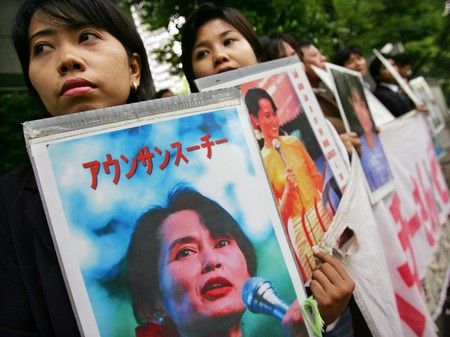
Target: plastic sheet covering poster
[[355, 112], [303, 163], [160, 213]]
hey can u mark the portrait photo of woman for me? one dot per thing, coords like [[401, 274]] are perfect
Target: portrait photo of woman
[[187, 264], [357, 115], [294, 177]]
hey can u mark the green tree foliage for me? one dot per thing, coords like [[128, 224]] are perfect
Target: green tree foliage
[[331, 24]]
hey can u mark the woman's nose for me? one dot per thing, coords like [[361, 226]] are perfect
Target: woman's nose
[[210, 261], [220, 57], [70, 60]]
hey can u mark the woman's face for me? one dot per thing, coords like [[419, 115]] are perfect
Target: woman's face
[[268, 121], [287, 50], [357, 62], [78, 69], [201, 276], [220, 47], [385, 75]]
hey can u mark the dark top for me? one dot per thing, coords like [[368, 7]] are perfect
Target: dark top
[[396, 102], [34, 299]]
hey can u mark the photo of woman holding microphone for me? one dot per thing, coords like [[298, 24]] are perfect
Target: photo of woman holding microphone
[[295, 179]]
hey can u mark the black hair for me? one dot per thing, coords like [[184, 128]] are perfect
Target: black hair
[[252, 98], [376, 65], [303, 44], [145, 246], [273, 45], [162, 92], [344, 54], [97, 13], [401, 59], [207, 12]]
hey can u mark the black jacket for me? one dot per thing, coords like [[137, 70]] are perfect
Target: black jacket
[[397, 103], [34, 299]]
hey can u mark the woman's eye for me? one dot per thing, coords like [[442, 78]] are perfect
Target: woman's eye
[[228, 41], [223, 243], [87, 36], [183, 253], [201, 54], [40, 48]]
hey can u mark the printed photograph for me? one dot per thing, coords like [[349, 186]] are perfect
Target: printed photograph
[[302, 161], [357, 117]]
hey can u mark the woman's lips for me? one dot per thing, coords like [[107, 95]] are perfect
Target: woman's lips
[[215, 288], [75, 87]]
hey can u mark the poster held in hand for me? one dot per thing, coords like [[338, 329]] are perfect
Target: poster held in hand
[[102, 176], [305, 165]]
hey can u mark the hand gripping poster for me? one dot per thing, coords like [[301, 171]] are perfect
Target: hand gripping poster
[[304, 165], [163, 219]]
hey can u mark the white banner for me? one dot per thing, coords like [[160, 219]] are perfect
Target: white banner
[[395, 240], [420, 204], [363, 256]]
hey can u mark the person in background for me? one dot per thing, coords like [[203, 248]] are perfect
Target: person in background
[[352, 58], [310, 55], [277, 46], [387, 89], [76, 55], [403, 62], [218, 39]]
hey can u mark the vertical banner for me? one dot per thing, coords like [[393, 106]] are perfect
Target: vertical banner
[[363, 256], [420, 203], [418, 211]]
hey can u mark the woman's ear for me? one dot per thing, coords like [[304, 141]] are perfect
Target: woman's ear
[[254, 120], [135, 70]]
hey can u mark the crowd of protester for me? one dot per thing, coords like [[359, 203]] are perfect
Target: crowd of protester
[[56, 39]]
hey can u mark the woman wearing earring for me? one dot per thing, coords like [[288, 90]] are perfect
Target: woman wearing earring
[[76, 55]]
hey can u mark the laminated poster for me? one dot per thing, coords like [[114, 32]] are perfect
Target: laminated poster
[[161, 215]]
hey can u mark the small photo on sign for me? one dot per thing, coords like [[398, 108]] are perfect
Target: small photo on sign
[[355, 112]]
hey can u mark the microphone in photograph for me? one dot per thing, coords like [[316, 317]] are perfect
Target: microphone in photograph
[[277, 145], [260, 298]]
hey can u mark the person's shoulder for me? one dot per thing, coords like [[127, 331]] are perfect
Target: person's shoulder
[[383, 90], [383, 94]]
